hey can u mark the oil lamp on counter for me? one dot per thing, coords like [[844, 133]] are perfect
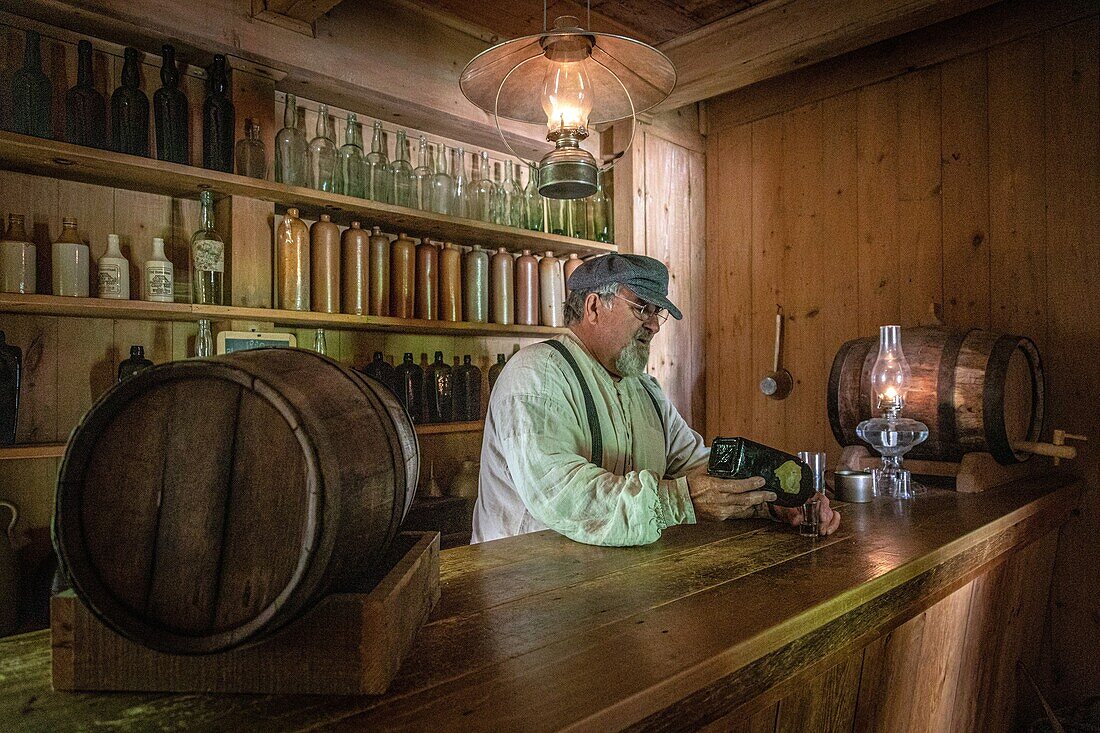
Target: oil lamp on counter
[[890, 434]]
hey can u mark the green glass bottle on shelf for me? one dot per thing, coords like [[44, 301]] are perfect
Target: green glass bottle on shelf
[[482, 191], [599, 214], [512, 203], [534, 203], [404, 189], [219, 119], [422, 177], [85, 107], [323, 153], [207, 257], [460, 201], [577, 218], [442, 185], [31, 96], [291, 148], [349, 160], [130, 110], [377, 173], [557, 216], [171, 112]]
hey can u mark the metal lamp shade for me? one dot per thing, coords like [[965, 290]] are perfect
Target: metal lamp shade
[[520, 65]]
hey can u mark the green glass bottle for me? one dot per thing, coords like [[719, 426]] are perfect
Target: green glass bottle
[[534, 203], [349, 160], [31, 96]]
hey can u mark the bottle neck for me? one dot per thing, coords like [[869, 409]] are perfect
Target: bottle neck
[[32, 55], [322, 120], [402, 151], [422, 155], [84, 66], [376, 141], [130, 77], [207, 214], [290, 114]]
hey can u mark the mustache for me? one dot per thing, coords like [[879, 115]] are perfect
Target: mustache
[[643, 335]]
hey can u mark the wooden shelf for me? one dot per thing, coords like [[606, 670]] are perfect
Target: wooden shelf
[[55, 305], [41, 157], [32, 450], [450, 427]]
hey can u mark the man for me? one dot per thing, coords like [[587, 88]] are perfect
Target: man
[[580, 440]]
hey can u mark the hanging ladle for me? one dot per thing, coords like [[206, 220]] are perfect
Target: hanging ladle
[[777, 383]]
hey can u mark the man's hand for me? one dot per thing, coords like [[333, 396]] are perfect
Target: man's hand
[[828, 518], [718, 499]]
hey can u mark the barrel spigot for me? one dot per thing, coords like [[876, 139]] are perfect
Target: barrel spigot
[[1060, 438]]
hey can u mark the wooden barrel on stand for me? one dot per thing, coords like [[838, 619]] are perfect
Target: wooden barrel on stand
[[204, 504], [977, 391]]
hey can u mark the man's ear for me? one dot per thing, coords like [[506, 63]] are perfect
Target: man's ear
[[592, 307]]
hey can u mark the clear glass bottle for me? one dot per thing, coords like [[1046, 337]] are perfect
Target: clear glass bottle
[[85, 107], [482, 191], [319, 343], [404, 189], [291, 148], [422, 176], [533, 202], [511, 197], [443, 186], [31, 93], [251, 154], [599, 223], [557, 216], [322, 153], [207, 257], [349, 160], [460, 201], [204, 342], [377, 173], [171, 112]]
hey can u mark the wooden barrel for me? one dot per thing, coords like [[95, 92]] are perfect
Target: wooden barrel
[[204, 504], [975, 390]]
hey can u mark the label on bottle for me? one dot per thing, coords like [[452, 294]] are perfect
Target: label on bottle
[[209, 255], [158, 281], [110, 280]]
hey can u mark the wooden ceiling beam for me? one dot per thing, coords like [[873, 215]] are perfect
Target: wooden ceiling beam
[[779, 36]]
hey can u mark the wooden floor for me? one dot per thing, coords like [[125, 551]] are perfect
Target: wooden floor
[[909, 618]]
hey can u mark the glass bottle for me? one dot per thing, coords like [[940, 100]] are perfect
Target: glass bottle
[[251, 154], [443, 186], [381, 370], [322, 153], [511, 197], [460, 201], [533, 201], [18, 269], [599, 226], [576, 218], [204, 342], [422, 177], [31, 95], [377, 174], [11, 374], [291, 148], [500, 206], [439, 391], [495, 370], [207, 257], [557, 216], [403, 188], [349, 160], [130, 110], [69, 262], [409, 380], [114, 272], [171, 112], [320, 345], [136, 363], [218, 119], [467, 391], [85, 107], [482, 191], [159, 274]]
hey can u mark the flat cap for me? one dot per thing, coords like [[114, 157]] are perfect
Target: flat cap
[[647, 277]]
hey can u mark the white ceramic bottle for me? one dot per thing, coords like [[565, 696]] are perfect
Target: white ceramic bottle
[[17, 265], [159, 275], [70, 262], [114, 272]]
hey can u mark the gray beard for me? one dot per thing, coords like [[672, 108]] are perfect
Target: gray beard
[[632, 360]]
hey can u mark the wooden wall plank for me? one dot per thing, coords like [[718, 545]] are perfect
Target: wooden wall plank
[[965, 192], [37, 337], [826, 703], [86, 367]]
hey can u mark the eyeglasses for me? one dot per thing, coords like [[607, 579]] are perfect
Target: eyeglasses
[[644, 311]]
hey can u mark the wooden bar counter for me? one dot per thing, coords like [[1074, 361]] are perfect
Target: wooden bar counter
[[911, 617]]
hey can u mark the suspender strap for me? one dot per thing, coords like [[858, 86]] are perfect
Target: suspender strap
[[589, 404], [657, 409]]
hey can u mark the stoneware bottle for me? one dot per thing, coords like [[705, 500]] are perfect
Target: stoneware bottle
[[409, 379], [450, 283], [159, 275], [137, 362], [475, 285], [292, 263], [324, 247], [403, 277], [70, 259], [551, 291], [114, 272], [467, 391], [355, 270], [380, 273], [11, 374], [527, 289], [18, 269], [502, 284], [427, 280], [570, 265]]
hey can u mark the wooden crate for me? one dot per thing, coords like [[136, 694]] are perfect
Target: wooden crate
[[350, 643]]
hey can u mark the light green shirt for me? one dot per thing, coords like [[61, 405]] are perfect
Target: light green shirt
[[536, 470]]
